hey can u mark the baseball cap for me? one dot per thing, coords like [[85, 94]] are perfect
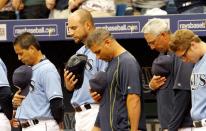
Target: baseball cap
[[22, 78], [76, 64], [161, 65], [99, 82]]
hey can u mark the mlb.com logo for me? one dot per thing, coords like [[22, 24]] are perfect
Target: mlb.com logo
[[3, 33], [37, 30]]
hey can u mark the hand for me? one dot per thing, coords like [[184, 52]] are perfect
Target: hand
[[95, 96], [17, 4], [61, 126], [74, 4], [17, 99], [96, 128], [14, 123], [69, 80], [156, 82], [50, 4]]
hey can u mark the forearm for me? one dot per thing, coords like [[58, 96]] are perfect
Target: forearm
[[57, 109], [134, 109], [50, 4], [96, 128], [78, 2], [17, 4], [75, 4], [3, 3], [6, 101]]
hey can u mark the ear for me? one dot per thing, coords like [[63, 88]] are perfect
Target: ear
[[193, 44], [165, 34], [32, 48], [107, 42], [87, 25]]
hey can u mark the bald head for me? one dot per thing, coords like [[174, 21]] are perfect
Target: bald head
[[82, 15], [80, 24]]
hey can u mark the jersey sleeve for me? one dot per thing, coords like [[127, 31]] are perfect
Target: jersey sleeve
[[130, 77], [3, 77], [52, 85]]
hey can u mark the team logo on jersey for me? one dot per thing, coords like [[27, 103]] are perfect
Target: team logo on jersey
[[89, 64], [3, 34], [198, 81]]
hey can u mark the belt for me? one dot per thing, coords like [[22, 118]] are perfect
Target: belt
[[28, 123], [200, 123], [82, 107]]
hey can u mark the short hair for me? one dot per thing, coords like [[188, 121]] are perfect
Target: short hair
[[25, 40], [84, 15], [97, 37], [182, 39], [156, 26]]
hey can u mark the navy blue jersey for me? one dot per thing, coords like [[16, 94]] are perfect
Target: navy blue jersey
[[123, 78], [165, 95], [173, 110], [182, 74]]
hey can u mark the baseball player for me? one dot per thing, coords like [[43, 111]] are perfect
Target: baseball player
[[80, 24], [190, 48], [6, 109], [42, 108], [121, 107], [172, 89]]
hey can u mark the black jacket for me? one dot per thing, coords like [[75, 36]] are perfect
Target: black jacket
[[6, 101]]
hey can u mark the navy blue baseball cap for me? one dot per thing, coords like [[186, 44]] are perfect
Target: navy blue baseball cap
[[161, 66], [22, 78], [77, 64], [99, 82]]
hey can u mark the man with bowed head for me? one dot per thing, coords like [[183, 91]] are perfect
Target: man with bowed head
[[190, 48], [170, 80], [80, 24], [121, 107], [42, 108]]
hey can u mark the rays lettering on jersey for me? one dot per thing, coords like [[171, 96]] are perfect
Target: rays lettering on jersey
[[197, 81]]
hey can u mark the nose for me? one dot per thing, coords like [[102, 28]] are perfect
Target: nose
[[70, 32]]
